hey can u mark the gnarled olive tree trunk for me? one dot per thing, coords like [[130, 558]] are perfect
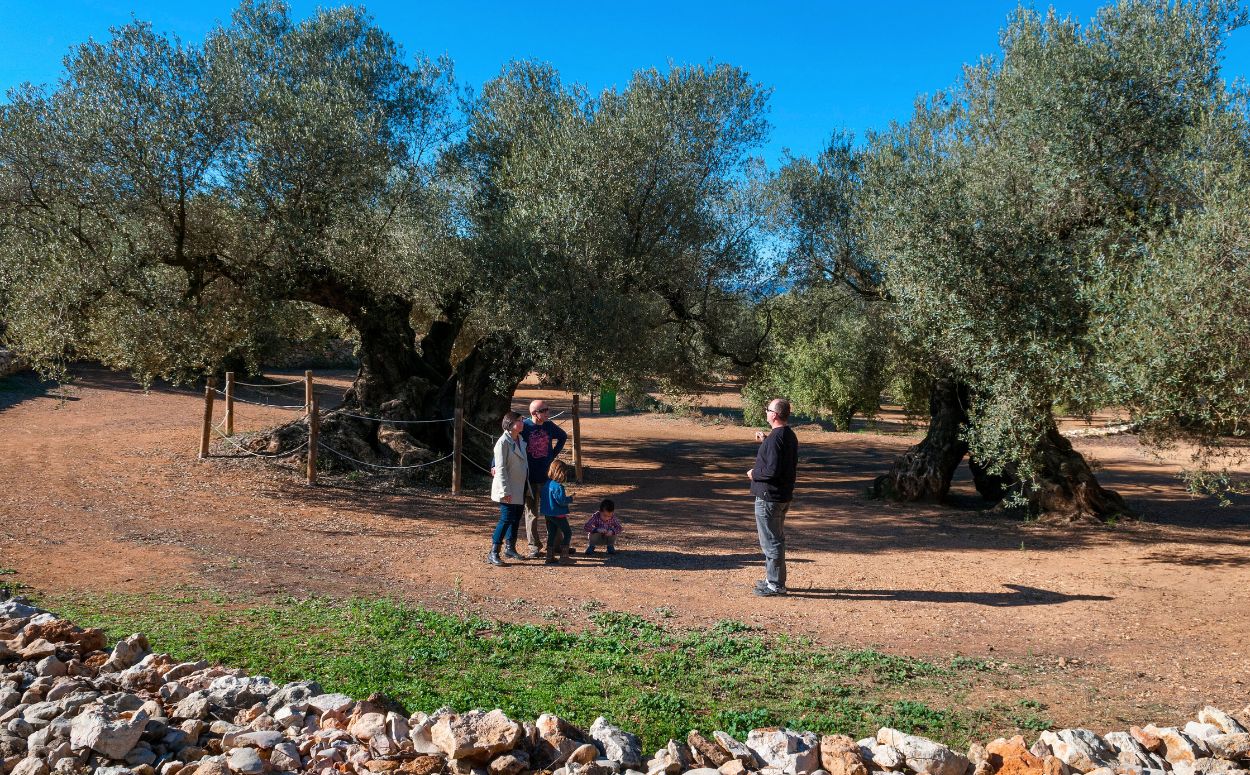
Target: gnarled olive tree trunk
[[924, 472], [395, 412], [1065, 486]]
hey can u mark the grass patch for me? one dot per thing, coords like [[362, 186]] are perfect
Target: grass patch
[[656, 682]]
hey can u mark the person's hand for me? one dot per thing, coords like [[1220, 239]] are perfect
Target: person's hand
[[759, 436], [506, 499], [492, 470], [751, 474]]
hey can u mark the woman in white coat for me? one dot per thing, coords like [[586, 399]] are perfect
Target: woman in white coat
[[508, 487]]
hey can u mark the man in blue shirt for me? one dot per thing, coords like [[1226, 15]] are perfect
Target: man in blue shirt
[[543, 442]]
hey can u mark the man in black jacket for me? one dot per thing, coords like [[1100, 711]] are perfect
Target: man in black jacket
[[772, 484]]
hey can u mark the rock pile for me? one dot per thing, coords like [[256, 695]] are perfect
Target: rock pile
[[68, 707]]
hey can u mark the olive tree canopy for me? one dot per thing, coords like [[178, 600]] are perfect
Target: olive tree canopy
[[166, 201], [1015, 218]]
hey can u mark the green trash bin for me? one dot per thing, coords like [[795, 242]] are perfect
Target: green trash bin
[[607, 401]]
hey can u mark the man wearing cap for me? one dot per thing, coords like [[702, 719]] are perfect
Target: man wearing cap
[[543, 442]]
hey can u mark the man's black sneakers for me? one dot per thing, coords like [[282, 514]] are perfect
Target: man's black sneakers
[[764, 589]]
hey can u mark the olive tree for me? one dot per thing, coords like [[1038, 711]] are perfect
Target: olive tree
[[625, 222], [1007, 212], [831, 350], [165, 202]]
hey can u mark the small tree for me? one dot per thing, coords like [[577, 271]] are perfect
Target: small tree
[[829, 356]]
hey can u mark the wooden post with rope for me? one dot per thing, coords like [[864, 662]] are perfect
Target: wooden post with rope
[[314, 430], [457, 448], [308, 388], [577, 437], [210, 387], [229, 403]]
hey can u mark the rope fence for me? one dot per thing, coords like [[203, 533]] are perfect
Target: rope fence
[[396, 422], [332, 450], [269, 387], [246, 451], [289, 407], [312, 444]]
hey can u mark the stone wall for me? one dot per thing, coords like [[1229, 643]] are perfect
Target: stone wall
[[70, 707]]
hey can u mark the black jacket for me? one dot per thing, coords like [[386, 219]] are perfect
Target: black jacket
[[776, 465]]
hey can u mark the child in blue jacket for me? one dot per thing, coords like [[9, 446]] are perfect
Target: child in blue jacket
[[554, 504]]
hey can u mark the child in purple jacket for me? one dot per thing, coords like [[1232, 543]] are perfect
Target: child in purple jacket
[[603, 528]]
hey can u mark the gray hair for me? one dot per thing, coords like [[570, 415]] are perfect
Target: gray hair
[[508, 419]]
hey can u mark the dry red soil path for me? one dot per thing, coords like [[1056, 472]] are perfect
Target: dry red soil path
[[100, 490]]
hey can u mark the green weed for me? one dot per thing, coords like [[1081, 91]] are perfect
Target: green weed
[[657, 682]]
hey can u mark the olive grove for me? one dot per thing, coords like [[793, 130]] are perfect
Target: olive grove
[[1064, 229], [165, 202]]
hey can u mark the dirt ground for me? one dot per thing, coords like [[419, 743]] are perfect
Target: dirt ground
[[100, 489]]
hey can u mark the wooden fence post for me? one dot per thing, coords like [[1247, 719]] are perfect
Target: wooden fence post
[[308, 388], [457, 448], [206, 431], [577, 437], [314, 430], [229, 403]]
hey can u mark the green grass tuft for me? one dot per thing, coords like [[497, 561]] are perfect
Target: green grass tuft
[[656, 682]]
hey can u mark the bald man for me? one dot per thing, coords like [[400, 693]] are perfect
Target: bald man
[[772, 484], [543, 442]]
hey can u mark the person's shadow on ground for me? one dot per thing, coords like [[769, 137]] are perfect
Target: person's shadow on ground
[[670, 559], [1018, 596]]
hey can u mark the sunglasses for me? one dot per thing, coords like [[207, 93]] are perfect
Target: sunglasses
[[544, 410]]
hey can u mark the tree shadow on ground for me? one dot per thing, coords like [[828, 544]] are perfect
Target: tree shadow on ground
[[95, 377], [1018, 596], [691, 493], [643, 558], [17, 389]]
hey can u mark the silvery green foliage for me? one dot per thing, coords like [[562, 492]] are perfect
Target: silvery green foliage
[[167, 203], [1011, 216], [165, 200], [626, 223], [1177, 327]]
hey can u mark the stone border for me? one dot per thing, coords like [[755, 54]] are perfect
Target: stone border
[[70, 707]]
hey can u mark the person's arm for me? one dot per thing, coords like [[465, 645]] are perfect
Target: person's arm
[[564, 498], [500, 469], [766, 463], [615, 527], [589, 527], [560, 436]]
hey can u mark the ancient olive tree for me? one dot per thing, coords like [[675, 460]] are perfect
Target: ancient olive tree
[[165, 199], [165, 202], [1014, 220], [624, 222]]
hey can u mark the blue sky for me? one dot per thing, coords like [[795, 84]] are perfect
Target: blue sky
[[832, 65]]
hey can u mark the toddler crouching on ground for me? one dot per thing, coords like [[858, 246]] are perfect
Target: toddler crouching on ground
[[603, 528]]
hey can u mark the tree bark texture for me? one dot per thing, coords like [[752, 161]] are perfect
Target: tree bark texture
[[924, 472], [399, 383], [992, 487], [1066, 488]]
